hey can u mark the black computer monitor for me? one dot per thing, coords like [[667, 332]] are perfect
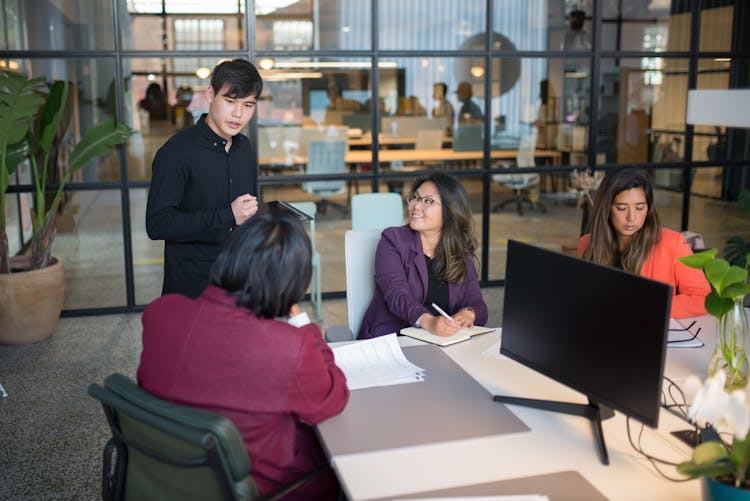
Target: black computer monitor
[[596, 329]]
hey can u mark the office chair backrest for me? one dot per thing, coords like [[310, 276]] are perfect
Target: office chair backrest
[[468, 138], [429, 139], [325, 157], [359, 255], [377, 211], [167, 451], [526, 147]]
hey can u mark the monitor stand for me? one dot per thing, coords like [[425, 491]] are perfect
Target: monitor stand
[[594, 412]]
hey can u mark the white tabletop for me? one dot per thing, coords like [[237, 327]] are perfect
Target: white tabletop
[[556, 442]]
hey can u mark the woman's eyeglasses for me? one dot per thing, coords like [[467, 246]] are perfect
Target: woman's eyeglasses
[[413, 198]]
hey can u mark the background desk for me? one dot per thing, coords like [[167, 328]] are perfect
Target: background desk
[[556, 443], [412, 155]]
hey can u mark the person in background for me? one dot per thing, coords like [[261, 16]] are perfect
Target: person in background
[[625, 233], [443, 108], [469, 112], [203, 182], [431, 260], [245, 350]]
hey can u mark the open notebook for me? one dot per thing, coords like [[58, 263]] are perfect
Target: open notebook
[[462, 335]]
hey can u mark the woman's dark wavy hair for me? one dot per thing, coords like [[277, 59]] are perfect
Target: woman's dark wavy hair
[[603, 246], [240, 75], [266, 264], [457, 235]]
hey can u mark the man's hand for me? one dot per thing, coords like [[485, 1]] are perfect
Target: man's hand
[[244, 207]]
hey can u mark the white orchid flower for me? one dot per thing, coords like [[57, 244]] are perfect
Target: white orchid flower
[[726, 412]]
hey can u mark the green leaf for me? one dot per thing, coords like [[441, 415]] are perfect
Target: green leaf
[[709, 452], [16, 154], [700, 259], [19, 103], [736, 291], [716, 305], [98, 141], [736, 250], [743, 200], [52, 114], [733, 276], [716, 272]]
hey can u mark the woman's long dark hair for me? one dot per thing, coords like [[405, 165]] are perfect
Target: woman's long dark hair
[[603, 246], [457, 234], [266, 264]]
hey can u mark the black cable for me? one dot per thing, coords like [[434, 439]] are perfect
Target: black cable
[[652, 459]]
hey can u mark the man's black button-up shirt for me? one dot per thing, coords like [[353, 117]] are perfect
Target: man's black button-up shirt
[[193, 184]]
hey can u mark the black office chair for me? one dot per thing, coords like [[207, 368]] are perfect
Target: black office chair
[[160, 450]]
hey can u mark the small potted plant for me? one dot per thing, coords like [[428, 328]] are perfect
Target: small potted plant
[[31, 114]]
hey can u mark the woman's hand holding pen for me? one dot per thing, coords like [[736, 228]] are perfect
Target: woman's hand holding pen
[[465, 318], [439, 325]]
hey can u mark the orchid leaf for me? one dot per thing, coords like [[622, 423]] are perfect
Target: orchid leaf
[[709, 452], [700, 259]]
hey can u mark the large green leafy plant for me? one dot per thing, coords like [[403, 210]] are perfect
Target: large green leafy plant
[[728, 281], [31, 113]]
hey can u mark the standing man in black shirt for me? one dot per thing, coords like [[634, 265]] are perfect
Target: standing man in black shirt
[[203, 182]]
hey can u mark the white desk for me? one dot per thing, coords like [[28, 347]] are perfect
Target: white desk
[[556, 442]]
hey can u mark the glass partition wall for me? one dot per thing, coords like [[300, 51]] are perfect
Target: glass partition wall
[[511, 96]]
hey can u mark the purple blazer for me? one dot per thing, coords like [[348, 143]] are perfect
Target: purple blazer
[[401, 286]]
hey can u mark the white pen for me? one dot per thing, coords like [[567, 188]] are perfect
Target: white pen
[[440, 310]]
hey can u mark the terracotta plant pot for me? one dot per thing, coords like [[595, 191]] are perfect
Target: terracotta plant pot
[[30, 301]]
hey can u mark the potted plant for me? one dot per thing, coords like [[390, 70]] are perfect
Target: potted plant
[[725, 302], [31, 113], [724, 469]]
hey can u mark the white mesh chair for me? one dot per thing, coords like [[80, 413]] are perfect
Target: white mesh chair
[[519, 182], [377, 211], [326, 157], [310, 209]]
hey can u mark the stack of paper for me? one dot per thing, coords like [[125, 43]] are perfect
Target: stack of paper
[[376, 362]]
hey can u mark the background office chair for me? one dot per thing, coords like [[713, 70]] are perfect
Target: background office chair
[[166, 451], [359, 255], [309, 208], [326, 157], [518, 182], [377, 211]]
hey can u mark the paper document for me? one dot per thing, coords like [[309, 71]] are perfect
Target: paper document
[[462, 335], [683, 336], [376, 362]]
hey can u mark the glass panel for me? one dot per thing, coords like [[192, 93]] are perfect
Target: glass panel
[[56, 25], [645, 26], [716, 29], [89, 241], [718, 220], [642, 110], [431, 24], [91, 100], [524, 25], [291, 25], [164, 96], [148, 255], [184, 25], [305, 100]]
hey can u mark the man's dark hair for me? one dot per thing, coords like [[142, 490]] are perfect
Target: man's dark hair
[[241, 77], [266, 264]]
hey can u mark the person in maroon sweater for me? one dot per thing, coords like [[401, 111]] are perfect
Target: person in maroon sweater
[[245, 350]]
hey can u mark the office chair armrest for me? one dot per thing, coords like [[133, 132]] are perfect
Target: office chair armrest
[[338, 333]]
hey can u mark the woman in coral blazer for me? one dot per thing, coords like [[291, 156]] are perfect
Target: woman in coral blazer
[[626, 234]]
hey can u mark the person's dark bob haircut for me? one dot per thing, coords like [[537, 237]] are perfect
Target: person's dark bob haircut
[[266, 264], [241, 78]]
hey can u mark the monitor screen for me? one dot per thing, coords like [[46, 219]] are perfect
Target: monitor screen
[[596, 329]]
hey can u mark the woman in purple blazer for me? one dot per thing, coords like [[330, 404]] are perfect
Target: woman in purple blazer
[[430, 261]]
